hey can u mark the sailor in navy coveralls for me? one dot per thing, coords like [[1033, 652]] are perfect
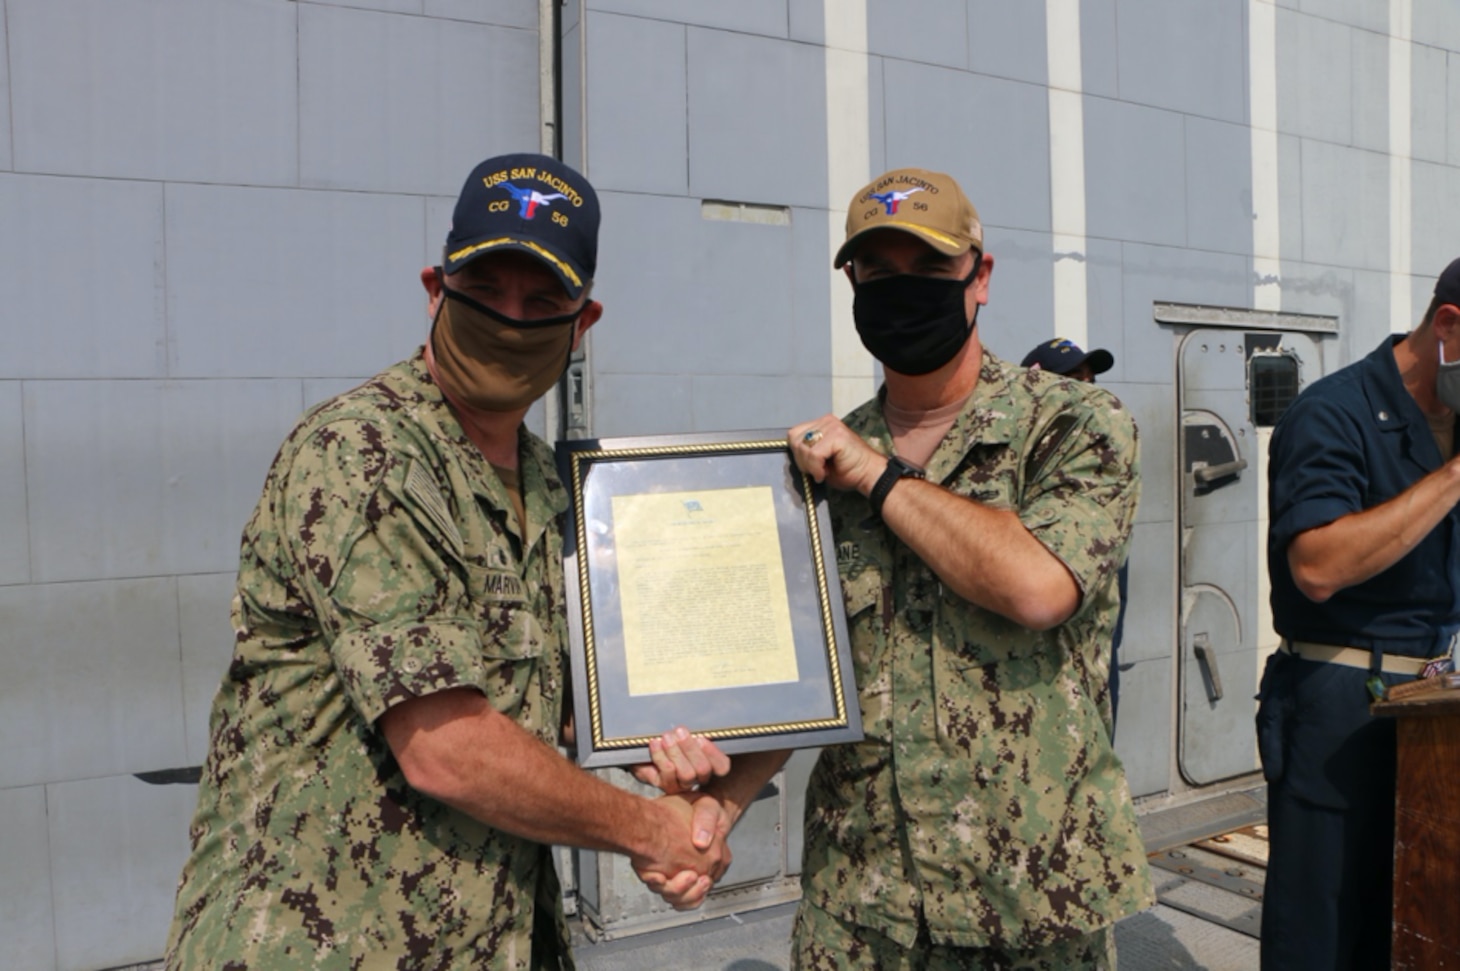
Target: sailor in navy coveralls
[[1362, 493]]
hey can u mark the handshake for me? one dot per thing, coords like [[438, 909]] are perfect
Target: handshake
[[702, 801]]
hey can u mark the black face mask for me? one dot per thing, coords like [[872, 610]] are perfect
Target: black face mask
[[913, 324]]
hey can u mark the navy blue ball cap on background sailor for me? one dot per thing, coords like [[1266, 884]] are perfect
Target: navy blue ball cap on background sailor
[[532, 203], [1062, 356], [1447, 287]]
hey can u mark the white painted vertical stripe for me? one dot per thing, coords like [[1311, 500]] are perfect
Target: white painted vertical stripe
[[848, 160], [547, 102], [1401, 211], [1266, 234], [1266, 263], [547, 138], [1067, 169]]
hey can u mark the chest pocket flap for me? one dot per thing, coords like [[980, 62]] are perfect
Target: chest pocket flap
[[860, 592], [504, 609]]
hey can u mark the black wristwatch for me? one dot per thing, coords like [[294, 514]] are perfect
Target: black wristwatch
[[897, 469]]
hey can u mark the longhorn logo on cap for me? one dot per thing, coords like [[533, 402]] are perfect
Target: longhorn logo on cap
[[529, 199], [891, 200]]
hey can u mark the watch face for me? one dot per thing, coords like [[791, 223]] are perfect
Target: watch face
[[905, 467]]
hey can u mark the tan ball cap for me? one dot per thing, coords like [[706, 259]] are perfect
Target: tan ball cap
[[930, 205]]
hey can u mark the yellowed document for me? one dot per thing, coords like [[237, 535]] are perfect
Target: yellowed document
[[702, 590]]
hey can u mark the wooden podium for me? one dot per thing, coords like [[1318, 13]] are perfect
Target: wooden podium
[[1426, 830]]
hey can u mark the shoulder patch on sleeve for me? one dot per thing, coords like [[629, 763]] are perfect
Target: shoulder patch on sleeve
[[1049, 442], [422, 487]]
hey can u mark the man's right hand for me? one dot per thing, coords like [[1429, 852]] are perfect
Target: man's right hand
[[687, 889], [693, 853], [714, 810], [828, 451]]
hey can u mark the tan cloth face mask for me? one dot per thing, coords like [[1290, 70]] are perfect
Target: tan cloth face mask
[[492, 362]]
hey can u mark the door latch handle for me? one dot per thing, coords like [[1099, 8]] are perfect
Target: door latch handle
[[1207, 656], [1208, 474]]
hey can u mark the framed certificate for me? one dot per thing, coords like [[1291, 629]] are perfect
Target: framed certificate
[[702, 591]]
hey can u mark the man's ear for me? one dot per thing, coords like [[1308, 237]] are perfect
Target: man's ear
[[1446, 321], [981, 282], [431, 280], [592, 310]]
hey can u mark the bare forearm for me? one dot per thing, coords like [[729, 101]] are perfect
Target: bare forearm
[[1361, 545], [551, 799], [982, 554], [477, 760], [748, 775]]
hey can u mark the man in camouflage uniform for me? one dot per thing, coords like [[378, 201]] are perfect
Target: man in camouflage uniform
[[981, 512], [382, 783]]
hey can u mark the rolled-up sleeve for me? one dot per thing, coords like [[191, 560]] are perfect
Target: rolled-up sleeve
[[1316, 466], [1081, 500]]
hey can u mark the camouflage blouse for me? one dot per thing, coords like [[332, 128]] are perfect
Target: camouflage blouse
[[384, 561], [986, 801]]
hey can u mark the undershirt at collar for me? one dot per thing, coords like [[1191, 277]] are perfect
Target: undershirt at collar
[[916, 433], [513, 483]]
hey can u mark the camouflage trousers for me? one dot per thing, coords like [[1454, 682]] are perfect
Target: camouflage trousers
[[821, 942]]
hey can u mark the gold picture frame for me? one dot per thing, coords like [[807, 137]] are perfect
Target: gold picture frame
[[702, 591]]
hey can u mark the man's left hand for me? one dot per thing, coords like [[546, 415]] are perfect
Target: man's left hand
[[681, 761]]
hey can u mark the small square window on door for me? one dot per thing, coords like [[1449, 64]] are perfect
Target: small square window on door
[[1272, 381]]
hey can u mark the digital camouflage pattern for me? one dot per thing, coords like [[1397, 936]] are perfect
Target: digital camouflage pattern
[[822, 943], [986, 800], [384, 561]]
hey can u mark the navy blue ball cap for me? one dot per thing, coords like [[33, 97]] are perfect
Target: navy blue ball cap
[[1447, 287], [531, 203], [1062, 356]]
